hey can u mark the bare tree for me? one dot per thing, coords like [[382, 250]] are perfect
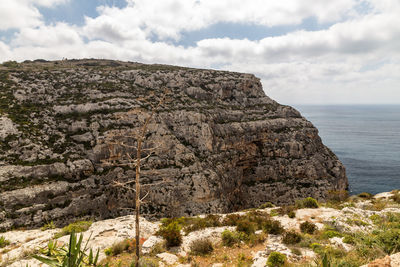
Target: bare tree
[[120, 153]]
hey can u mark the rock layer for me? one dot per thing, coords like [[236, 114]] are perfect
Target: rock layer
[[220, 144]]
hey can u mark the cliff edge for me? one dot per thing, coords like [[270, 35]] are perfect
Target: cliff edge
[[222, 144]]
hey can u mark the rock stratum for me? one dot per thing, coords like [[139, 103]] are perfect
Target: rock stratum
[[219, 143]]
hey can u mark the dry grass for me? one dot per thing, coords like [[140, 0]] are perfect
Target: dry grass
[[124, 260], [227, 256]]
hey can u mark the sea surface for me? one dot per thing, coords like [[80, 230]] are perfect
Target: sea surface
[[366, 138]]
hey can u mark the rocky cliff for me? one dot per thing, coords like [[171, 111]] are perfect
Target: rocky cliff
[[220, 143]]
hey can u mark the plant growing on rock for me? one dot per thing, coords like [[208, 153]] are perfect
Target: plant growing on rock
[[308, 227], [308, 202], [272, 227], [230, 238], [171, 233], [201, 247], [48, 226], [74, 255], [291, 237], [118, 248], [276, 259], [246, 227], [75, 227], [4, 242]]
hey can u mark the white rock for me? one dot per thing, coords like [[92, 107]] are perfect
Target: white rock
[[168, 257], [338, 242], [103, 235], [7, 127], [260, 259], [384, 195], [150, 243], [212, 233]]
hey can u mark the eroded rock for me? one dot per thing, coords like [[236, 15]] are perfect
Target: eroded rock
[[221, 143]]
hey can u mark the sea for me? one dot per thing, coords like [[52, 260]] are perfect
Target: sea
[[366, 138]]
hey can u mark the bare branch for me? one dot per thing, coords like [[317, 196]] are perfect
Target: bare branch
[[145, 196]]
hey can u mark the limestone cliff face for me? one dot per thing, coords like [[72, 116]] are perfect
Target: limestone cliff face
[[221, 144]]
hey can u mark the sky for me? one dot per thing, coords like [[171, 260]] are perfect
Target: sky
[[304, 51]]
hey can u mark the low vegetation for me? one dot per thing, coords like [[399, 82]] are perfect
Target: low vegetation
[[75, 227], [48, 226], [4, 242], [308, 202], [308, 227], [201, 247], [75, 254], [363, 239], [276, 259], [170, 230], [127, 245]]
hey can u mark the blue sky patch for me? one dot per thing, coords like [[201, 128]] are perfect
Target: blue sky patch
[[243, 31], [74, 11]]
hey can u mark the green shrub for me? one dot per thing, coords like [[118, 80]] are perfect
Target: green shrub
[[365, 195], [376, 219], [266, 205], [389, 240], [230, 238], [158, 248], [48, 226], [108, 251], [171, 233], [4, 242], [117, 248], [308, 227], [144, 261], [201, 247], [246, 227], [257, 217], [348, 239], [291, 214], [256, 239], [291, 237], [194, 224], [274, 212], [243, 261], [316, 247], [231, 220], [75, 227], [276, 259], [10, 64], [331, 234], [308, 202], [287, 210], [273, 227]]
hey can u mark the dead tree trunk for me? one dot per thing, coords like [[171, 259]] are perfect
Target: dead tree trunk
[[120, 159]]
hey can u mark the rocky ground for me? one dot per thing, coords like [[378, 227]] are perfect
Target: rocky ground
[[336, 222]]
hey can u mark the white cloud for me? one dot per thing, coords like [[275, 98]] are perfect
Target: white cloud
[[5, 53], [55, 36], [18, 14], [168, 18], [357, 59]]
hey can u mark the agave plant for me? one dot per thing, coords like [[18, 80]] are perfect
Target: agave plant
[[72, 256]]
